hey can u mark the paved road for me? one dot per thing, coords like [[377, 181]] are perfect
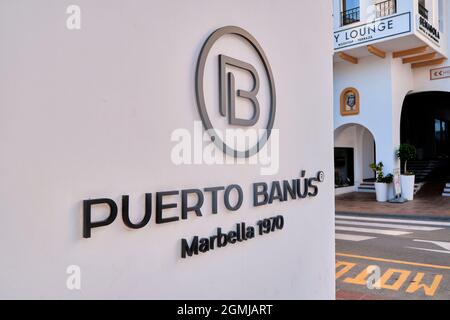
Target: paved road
[[389, 258]]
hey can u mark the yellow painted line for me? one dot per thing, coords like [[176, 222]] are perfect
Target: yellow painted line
[[394, 261]]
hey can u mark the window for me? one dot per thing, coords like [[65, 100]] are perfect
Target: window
[[422, 9], [441, 137], [350, 4], [350, 12]]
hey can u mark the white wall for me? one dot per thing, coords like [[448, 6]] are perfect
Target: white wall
[[422, 80], [372, 77], [383, 85], [368, 154], [402, 84], [337, 9], [89, 113]]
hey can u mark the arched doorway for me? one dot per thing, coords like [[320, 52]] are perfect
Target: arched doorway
[[425, 124], [354, 151]]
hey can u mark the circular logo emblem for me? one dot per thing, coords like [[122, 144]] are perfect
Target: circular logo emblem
[[244, 89]]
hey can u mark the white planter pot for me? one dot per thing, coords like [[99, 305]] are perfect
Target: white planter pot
[[382, 191], [407, 183]]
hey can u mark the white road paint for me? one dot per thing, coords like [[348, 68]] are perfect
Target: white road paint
[[406, 221], [429, 250], [352, 237], [445, 245], [374, 231], [387, 225]]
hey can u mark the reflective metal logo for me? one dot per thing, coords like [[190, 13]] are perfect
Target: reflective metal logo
[[228, 93]]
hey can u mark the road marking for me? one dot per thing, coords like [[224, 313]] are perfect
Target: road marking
[[429, 250], [375, 231], [393, 261], [407, 221], [347, 266], [352, 237], [392, 279], [387, 225], [445, 245], [400, 276], [429, 290]]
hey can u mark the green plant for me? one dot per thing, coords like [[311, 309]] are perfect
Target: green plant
[[388, 179], [378, 169], [405, 153]]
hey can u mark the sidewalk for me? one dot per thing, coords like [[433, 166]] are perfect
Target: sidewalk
[[428, 203]]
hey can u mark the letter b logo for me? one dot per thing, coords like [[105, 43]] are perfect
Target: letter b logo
[[228, 92], [225, 101]]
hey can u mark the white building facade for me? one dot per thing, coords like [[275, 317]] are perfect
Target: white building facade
[[392, 56]]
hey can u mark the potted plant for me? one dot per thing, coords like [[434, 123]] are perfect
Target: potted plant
[[382, 182], [405, 153]]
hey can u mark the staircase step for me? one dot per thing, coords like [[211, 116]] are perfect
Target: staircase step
[[446, 194], [426, 170], [366, 188]]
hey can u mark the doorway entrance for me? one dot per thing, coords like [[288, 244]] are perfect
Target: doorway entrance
[[354, 152], [425, 124]]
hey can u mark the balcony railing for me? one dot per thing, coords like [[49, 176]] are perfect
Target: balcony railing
[[423, 11], [350, 16], [386, 8]]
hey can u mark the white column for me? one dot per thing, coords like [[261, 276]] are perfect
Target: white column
[[366, 14], [337, 9]]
